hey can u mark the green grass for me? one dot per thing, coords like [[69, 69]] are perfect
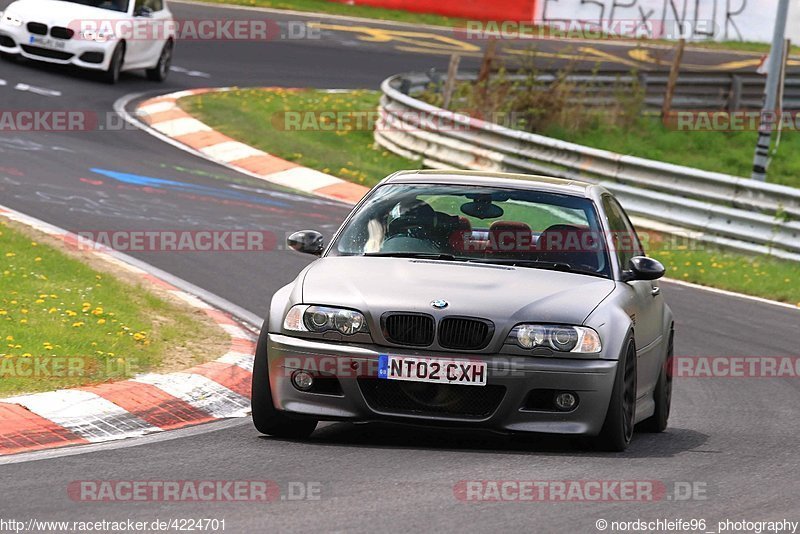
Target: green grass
[[726, 152], [257, 117], [699, 263], [79, 325]]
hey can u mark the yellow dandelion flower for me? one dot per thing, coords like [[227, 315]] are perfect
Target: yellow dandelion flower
[[78, 324], [101, 321]]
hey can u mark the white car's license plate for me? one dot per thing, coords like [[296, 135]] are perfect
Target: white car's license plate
[[461, 372], [46, 42]]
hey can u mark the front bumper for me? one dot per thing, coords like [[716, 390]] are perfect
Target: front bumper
[[355, 369], [78, 52]]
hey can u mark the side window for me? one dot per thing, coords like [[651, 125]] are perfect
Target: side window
[[154, 5], [626, 242]]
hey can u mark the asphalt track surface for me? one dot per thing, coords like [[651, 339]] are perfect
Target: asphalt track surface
[[735, 438]]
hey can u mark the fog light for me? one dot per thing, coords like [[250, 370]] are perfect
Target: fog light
[[302, 380], [566, 401]]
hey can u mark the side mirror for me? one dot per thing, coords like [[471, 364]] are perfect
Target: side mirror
[[143, 11], [643, 268], [307, 242]]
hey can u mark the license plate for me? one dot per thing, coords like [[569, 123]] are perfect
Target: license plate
[[46, 42], [413, 369]]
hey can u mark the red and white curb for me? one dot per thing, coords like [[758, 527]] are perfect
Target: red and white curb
[[142, 405], [163, 115]]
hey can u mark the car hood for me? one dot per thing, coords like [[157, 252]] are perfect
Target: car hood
[[56, 12], [505, 295]]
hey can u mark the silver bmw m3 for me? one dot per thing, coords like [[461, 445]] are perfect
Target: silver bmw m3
[[505, 302]]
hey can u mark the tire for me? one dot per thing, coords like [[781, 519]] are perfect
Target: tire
[[160, 72], [617, 430], [111, 76], [266, 418], [662, 395], [9, 57]]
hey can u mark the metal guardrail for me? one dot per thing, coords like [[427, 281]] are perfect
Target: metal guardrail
[[732, 211], [729, 91]]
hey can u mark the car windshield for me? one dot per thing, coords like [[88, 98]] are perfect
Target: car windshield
[[111, 5], [481, 224]]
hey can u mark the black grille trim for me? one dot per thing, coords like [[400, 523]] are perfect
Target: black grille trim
[[46, 52], [59, 32], [465, 333], [37, 27], [439, 400], [413, 329]]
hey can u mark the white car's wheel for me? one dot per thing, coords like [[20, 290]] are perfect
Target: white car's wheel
[[111, 75], [160, 72]]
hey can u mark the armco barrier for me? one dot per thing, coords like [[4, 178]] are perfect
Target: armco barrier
[[729, 91], [729, 210]]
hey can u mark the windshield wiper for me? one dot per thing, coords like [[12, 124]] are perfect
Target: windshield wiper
[[550, 265], [419, 255]]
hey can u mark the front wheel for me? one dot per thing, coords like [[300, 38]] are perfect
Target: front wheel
[[266, 418], [160, 72], [617, 430], [662, 395], [111, 75]]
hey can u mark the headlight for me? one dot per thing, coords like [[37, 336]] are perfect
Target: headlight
[[559, 338], [11, 20], [302, 318], [96, 36]]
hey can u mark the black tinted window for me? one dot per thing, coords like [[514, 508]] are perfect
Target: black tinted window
[[626, 241]]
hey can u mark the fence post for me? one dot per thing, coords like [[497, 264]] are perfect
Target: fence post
[[450, 83], [735, 93], [673, 79]]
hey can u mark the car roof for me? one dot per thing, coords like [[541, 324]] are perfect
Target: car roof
[[497, 179]]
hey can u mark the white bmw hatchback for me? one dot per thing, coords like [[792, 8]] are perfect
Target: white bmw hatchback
[[109, 36]]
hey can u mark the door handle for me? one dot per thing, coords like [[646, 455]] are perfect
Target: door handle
[[655, 291]]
